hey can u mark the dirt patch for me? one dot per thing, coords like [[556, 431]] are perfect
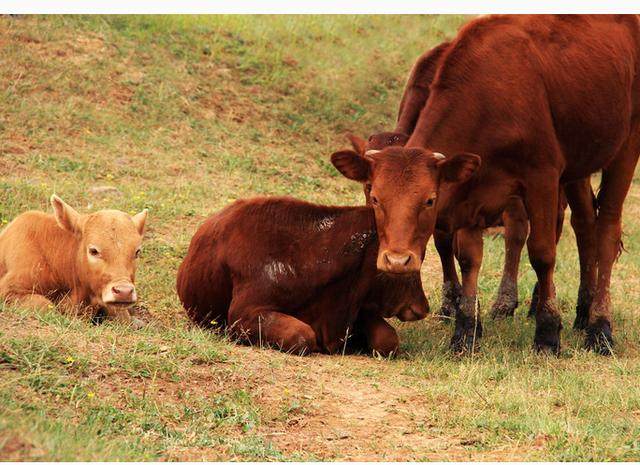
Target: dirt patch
[[14, 448]]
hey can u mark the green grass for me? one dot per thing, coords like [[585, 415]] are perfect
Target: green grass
[[182, 115]]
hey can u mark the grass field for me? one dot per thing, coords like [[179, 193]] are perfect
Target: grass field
[[182, 115]]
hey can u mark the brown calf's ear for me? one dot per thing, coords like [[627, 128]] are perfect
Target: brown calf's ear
[[139, 220], [358, 144], [351, 165], [458, 168], [66, 217]]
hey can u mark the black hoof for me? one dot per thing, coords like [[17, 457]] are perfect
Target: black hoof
[[547, 338], [600, 338], [465, 339]]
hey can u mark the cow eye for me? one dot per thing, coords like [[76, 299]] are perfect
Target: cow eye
[[374, 201], [93, 251], [138, 252], [430, 202]]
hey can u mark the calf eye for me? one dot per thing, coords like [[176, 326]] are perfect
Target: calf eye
[[138, 252], [430, 202], [93, 251]]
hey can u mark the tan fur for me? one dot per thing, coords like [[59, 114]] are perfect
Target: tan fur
[[46, 258]]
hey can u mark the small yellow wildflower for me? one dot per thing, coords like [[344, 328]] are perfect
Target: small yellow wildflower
[[69, 360], [91, 394]]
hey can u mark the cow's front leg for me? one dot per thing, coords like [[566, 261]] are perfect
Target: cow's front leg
[[379, 336], [451, 290], [516, 228], [541, 201], [468, 327], [265, 325]]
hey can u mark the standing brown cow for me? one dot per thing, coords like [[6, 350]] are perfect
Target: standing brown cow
[[514, 218], [519, 105], [300, 276], [77, 260]]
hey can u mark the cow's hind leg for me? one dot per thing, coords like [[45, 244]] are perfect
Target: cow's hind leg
[[451, 290], [583, 221], [616, 179], [264, 325], [468, 327], [516, 228]]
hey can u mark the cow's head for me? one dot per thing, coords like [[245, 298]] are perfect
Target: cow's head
[[404, 185], [109, 244], [399, 296]]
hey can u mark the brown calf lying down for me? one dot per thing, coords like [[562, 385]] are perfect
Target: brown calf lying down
[[299, 276], [86, 262]]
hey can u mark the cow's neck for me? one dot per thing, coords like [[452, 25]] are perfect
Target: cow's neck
[[449, 124], [71, 266]]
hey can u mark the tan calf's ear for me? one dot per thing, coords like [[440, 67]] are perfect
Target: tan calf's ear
[[66, 217], [139, 220]]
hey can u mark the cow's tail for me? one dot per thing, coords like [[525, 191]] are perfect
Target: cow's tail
[[596, 207]]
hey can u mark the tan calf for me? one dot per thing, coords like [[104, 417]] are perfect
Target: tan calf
[[80, 261]]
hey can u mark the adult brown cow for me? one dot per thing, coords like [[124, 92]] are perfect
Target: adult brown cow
[[514, 218], [85, 262], [519, 105], [300, 276]]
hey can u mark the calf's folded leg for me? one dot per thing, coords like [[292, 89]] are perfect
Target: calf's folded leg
[[13, 290], [379, 336], [264, 325]]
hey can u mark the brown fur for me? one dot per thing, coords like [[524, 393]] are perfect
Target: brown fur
[[519, 105], [296, 275], [47, 258]]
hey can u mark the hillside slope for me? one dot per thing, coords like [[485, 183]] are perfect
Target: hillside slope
[[182, 115]]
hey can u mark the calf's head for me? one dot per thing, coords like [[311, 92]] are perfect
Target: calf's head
[[404, 186], [108, 245]]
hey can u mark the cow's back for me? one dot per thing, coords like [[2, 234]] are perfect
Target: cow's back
[[33, 243], [590, 66], [203, 282], [513, 83]]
